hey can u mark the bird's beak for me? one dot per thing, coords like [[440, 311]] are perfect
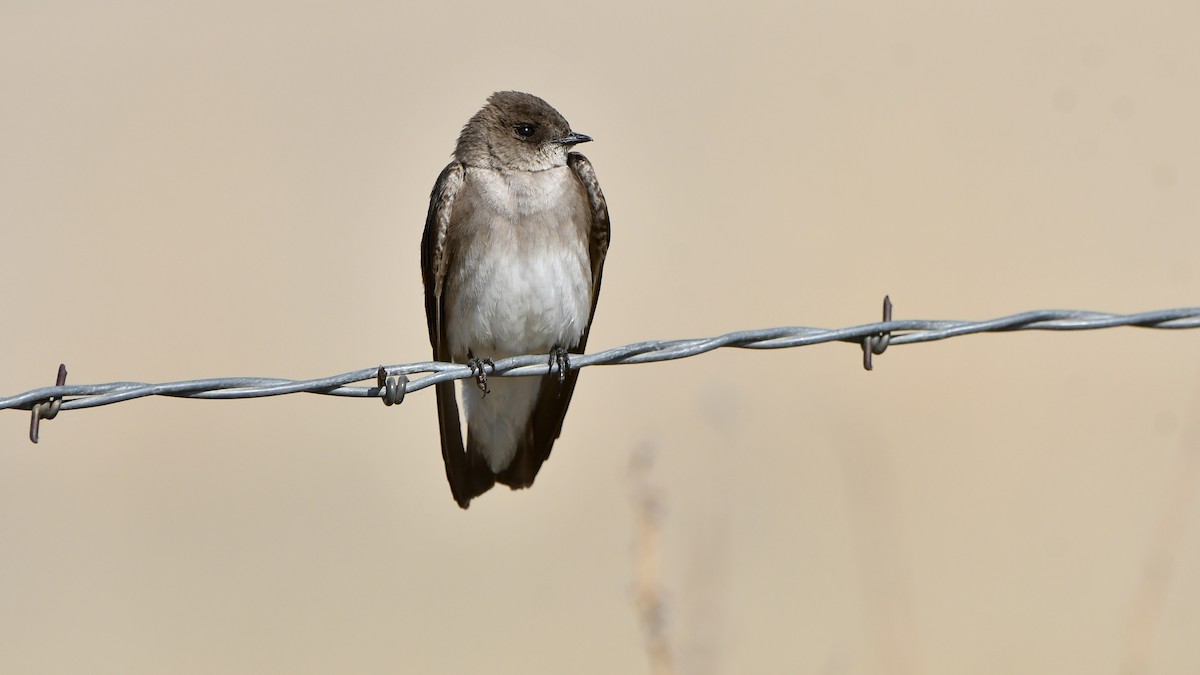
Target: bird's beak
[[574, 139]]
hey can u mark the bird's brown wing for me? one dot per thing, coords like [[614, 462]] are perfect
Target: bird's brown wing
[[551, 407], [468, 479]]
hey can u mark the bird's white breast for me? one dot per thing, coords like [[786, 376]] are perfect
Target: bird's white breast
[[521, 281]]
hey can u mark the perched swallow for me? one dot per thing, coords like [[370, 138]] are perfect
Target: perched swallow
[[512, 254]]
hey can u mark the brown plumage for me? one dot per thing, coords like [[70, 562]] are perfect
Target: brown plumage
[[511, 258]]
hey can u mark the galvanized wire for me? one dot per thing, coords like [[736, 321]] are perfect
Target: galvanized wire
[[47, 401]]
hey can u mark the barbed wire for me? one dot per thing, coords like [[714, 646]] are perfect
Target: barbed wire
[[393, 382]]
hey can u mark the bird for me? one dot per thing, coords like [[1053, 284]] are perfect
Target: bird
[[511, 258]]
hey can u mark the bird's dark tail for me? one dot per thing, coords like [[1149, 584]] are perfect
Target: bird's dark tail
[[468, 473], [544, 427]]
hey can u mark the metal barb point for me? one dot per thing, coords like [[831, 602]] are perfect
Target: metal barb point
[[47, 409], [876, 344], [391, 387]]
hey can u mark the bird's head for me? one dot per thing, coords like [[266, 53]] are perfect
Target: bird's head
[[516, 132]]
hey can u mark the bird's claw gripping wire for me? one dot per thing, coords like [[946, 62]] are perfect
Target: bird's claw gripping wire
[[560, 358], [479, 370]]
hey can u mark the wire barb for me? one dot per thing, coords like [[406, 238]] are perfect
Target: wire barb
[[877, 343], [48, 409], [392, 383], [391, 387]]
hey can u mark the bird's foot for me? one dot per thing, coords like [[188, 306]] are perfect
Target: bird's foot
[[479, 368], [560, 358]]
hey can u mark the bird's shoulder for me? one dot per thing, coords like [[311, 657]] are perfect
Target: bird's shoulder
[[599, 234], [437, 225]]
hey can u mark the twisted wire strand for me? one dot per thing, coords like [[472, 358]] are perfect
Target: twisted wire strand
[[898, 332]]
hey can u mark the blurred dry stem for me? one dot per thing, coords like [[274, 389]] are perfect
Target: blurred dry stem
[[1158, 570], [647, 577]]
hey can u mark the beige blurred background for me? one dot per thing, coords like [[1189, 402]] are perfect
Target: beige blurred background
[[211, 189]]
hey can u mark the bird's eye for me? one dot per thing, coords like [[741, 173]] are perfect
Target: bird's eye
[[525, 130]]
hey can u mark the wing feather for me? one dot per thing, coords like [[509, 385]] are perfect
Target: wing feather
[[467, 479]]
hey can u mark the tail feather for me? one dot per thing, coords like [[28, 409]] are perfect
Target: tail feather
[[545, 426], [468, 474], [468, 471]]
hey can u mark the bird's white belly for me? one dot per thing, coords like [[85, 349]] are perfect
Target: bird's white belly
[[523, 282], [520, 283], [516, 300], [521, 298]]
